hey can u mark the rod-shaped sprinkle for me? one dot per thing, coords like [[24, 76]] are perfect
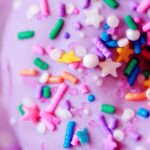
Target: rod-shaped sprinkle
[[62, 10], [44, 5], [57, 97], [25, 35], [86, 4], [56, 29], [69, 134], [130, 22], [143, 6], [111, 3], [105, 51]]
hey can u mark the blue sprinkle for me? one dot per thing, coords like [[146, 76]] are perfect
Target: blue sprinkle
[[137, 47], [143, 112], [132, 78], [69, 134], [105, 37], [106, 26], [91, 98], [112, 44], [83, 136], [143, 39]]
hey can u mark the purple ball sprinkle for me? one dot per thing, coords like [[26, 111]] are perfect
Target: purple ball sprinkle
[[66, 35], [77, 25]]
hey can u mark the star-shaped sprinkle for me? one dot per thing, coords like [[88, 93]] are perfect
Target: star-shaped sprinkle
[[69, 57], [147, 82], [31, 113], [109, 67], [93, 17], [109, 143], [124, 54]]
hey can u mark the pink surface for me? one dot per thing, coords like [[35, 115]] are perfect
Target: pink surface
[[18, 54]]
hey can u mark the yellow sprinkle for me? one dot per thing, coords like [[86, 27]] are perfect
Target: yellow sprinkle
[[69, 58]]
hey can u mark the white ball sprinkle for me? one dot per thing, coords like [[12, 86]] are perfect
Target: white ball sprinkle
[[133, 35], [113, 21], [118, 135], [55, 54], [128, 114], [41, 128], [70, 8]]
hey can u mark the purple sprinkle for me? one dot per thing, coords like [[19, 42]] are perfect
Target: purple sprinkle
[[98, 43], [86, 4], [62, 10], [77, 25], [135, 136], [96, 51], [133, 5], [67, 104], [104, 126], [39, 91], [66, 35], [113, 122]]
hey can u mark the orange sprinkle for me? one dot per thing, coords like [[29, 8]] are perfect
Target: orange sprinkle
[[70, 77], [55, 79], [28, 72], [136, 96]]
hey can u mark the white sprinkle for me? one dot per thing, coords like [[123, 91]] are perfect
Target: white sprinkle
[[44, 77], [148, 93], [113, 21], [118, 135], [70, 8], [128, 114], [123, 42], [41, 128], [55, 54], [133, 35], [63, 113]]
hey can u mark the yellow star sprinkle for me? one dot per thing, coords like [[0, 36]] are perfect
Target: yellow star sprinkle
[[147, 82], [69, 58], [124, 53]]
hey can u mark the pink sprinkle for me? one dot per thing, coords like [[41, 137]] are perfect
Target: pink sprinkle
[[38, 49], [143, 6], [49, 49], [76, 11], [146, 27], [74, 66], [83, 88], [148, 38], [137, 20], [75, 141], [44, 8]]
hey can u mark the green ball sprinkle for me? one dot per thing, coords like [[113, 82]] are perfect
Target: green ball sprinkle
[[20, 107], [41, 64], [56, 29], [25, 35], [130, 66], [112, 3], [110, 109], [130, 22], [46, 92]]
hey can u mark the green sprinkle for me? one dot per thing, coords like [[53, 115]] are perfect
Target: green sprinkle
[[41, 64], [146, 74], [46, 92], [112, 3], [20, 107], [25, 35], [110, 109], [130, 66], [130, 22], [56, 29]]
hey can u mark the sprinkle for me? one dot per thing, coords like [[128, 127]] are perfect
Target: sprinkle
[[41, 128], [148, 93], [118, 135], [25, 35], [133, 35], [136, 96], [57, 97], [55, 79], [135, 136], [104, 126], [75, 141], [137, 47], [77, 25], [90, 60], [39, 91], [83, 88], [41, 64], [44, 7], [69, 134], [143, 112], [62, 10], [130, 22], [143, 6], [70, 77], [46, 92], [111, 3], [110, 109], [20, 107], [91, 98], [130, 66], [63, 114], [38, 49], [105, 37], [128, 114], [97, 52], [69, 57], [56, 29], [106, 52], [112, 44], [86, 4], [66, 35], [83, 136], [146, 27], [113, 21], [28, 72], [55, 54], [44, 77], [70, 8], [113, 123]]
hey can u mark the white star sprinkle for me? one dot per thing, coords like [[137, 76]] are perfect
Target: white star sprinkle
[[93, 17], [109, 67]]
